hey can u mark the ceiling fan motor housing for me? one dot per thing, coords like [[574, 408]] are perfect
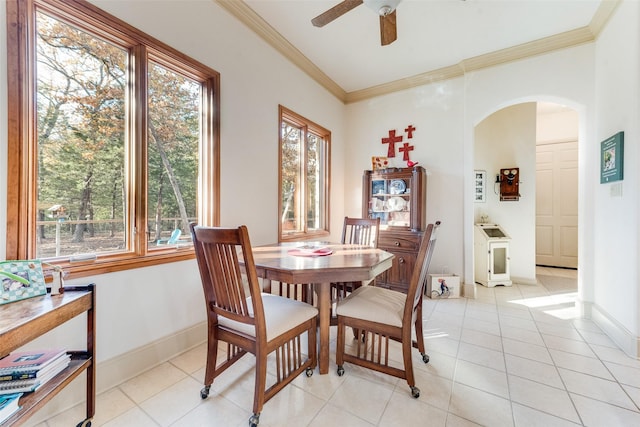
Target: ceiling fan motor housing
[[382, 7]]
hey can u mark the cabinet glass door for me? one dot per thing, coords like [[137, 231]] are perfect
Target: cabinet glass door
[[390, 201]]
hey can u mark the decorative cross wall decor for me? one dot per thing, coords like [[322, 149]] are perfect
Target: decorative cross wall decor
[[405, 148], [391, 140]]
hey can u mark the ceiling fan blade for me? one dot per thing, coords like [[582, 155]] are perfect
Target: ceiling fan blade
[[388, 32], [335, 12]]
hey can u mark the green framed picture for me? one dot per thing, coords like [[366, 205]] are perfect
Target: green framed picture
[[612, 158]]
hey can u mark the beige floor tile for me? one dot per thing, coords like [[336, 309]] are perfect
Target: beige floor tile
[[152, 382], [624, 374], [363, 398], [404, 410], [480, 407], [533, 370], [526, 350], [291, 407], [528, 417], [518, 334], [215, 411], [133, 417], [192, 360], [579, 363], [596, 388], [173, 402], [482, 356], [331, 415], [482, 378], [481, 339], [456, 421], [542, 397], [596, 413], [568, 345]]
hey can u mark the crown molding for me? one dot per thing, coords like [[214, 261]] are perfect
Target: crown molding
[[251, 19], [587, 34]]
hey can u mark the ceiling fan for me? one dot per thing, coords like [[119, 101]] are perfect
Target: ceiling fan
[[385, 8]]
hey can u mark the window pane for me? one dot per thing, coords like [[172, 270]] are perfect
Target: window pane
[[173, 141], [80, 125], [314, 195], [291, 166]]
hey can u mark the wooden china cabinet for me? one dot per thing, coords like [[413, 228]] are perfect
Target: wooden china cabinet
[[398, 197]]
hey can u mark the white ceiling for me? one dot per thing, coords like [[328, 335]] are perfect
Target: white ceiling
[[432, 34]]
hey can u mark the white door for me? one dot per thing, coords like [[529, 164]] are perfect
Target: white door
[[557, 204]]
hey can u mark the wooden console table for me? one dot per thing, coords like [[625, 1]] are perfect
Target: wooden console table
[[23, 321]]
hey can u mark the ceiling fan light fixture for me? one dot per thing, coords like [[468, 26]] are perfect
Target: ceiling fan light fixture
[[382, 7]]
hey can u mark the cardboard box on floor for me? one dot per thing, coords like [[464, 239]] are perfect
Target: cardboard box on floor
[[442, 286]]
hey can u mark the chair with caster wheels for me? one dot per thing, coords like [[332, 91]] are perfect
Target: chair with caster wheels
[[248, 320], [383, 315], [356, 231]]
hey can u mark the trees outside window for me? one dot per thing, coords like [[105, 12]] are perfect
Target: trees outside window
[[117, 149], [304, 177]]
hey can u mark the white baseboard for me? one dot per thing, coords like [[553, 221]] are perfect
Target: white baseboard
[[620, 335]]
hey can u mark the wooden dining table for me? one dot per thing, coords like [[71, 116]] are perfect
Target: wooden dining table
[[345, 263]]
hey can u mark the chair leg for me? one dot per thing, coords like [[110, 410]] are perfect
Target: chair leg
[[340, 347], [260, 386], [212, 357], [408, 368], [420, 336]]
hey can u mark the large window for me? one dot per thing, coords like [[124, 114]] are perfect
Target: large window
[[304, 177], [113, 141]]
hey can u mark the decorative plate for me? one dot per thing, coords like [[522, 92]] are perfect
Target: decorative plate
[[397, 186], [396, 203]]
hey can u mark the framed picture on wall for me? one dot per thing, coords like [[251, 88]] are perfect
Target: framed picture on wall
[[480, 185], [612, 158]]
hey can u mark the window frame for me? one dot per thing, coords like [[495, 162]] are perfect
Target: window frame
[[285, 114], [22, 135]]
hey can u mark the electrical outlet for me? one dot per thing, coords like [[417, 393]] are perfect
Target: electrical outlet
[[616, 190]]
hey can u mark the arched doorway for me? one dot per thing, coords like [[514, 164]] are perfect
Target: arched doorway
[[521, 135]]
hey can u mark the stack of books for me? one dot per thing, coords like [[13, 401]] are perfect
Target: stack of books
[[25, 371]]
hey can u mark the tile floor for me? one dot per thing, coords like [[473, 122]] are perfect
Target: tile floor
[[514, 356]]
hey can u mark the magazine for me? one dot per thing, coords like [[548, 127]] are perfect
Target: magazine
[[9, 403], [32, 384], [28, 362]]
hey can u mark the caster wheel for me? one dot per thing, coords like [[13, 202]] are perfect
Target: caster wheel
[[204, 393], [425, 357], [254, 420], [415, 392], [309, 372], [340, 371], [85, 423]]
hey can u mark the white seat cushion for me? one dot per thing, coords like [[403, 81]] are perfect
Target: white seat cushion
[[374, 304], [281, 314]]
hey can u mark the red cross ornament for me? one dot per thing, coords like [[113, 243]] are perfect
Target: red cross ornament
[[391, 140], [406, 148], [409, 131]]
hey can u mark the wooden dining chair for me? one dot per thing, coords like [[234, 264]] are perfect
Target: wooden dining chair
[[357, 231], [382, 314], [248, 320]]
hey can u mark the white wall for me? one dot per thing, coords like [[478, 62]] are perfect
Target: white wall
[[507, 139], [616, 296], [436, 111]]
